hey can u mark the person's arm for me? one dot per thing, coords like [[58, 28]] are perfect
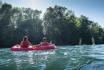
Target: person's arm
[[21, 43], [39, 44], [29, 43]]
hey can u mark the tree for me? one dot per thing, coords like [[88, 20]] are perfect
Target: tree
[[53, 21], [59, 25], [84, 29], [5, 14]]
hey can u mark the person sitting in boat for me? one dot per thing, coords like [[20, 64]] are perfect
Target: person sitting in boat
[[45, 42], [25, 43]]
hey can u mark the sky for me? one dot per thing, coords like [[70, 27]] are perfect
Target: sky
[[93, 9]]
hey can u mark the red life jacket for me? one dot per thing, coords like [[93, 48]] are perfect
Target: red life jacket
[[25, 44], [45, 43]]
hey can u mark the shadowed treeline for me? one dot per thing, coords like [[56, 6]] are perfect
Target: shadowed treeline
[[60, 24]]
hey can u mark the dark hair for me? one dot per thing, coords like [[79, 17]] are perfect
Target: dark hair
[[44, 38], [25, 38]]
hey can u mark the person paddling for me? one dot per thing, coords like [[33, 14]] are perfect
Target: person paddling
[[25, 43], [45, 42]]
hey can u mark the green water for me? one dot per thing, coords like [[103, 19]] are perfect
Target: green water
[[63, 58]]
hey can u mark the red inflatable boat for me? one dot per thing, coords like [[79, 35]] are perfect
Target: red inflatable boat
[[33, 48]]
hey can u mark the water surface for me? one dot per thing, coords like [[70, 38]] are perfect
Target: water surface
[[86, 57]]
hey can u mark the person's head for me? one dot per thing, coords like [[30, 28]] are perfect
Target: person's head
[[25, 38], [44, 39]]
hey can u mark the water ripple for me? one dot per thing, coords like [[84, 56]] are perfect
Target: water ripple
[[79, 57]]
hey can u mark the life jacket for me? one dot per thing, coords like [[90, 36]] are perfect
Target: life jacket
[[25, 44], [44, 43]]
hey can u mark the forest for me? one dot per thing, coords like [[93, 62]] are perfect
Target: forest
[[58, 24]]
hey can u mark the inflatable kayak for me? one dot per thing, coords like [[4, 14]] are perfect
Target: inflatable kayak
[[33, 48]]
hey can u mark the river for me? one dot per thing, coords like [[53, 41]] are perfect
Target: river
[[83, 57]]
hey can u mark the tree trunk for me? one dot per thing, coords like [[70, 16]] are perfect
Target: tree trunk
[[93, 41], [80, 41]]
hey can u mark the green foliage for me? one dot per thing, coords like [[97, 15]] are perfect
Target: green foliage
[[17, 22], [61, 25]]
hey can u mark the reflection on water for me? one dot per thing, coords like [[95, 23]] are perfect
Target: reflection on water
[[32, 60], [84, 57]]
